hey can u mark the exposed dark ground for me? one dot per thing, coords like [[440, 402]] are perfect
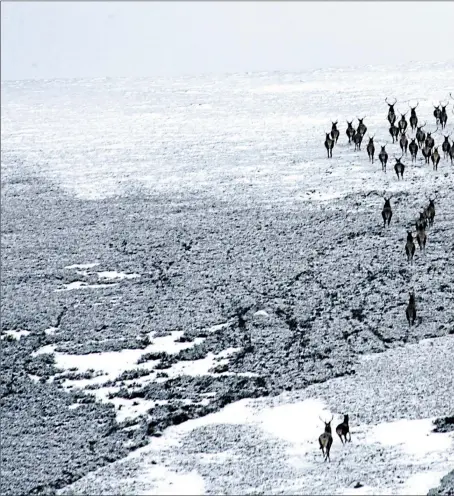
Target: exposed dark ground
[[332, 289]]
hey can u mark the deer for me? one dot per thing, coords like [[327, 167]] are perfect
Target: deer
[[410, 311], [343, 429], [350, 131], [326, 439], [329, 144], [334, 132], [413, 117], [430, 142], [446, 146], [435, 157], [420, 135], [421, 223], [451, 154], [357, 139], [362, 128], [421, 236], [430, 211], [394, 132], [371, 149], [387, 212], [426, 153], [413, 147], [403, 124], [437, 113], [443, 115], [399, 167], [403, 143], [391, 113], [410, 247], [383, 157]]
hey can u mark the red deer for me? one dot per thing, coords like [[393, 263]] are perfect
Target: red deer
[[410, 247], [391, 113], [326, 439], [343, 429], [410, 311]]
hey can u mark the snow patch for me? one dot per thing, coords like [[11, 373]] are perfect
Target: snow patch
[[116, 275], [15, 334], [83, 285], [82, 266]]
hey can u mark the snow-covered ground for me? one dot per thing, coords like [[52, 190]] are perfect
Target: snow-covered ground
[[269, 445], [151, 210]]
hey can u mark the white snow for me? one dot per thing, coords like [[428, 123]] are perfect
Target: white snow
[[397, 456], [83, 285], [116, 275], [82, 266], [16, 334]]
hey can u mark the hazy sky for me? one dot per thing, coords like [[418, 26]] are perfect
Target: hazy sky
[[95, 39]]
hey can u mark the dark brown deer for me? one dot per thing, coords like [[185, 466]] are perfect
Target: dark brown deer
[[399, 167], [387, 212], [343, 429], [446, 146], [430, 142], [357, 139], [362, 128], [443, 115], [410, 247], [394, 132], [451, 154], [420, 135], [421, 223], [371, 149], [410, 311], [426, 153], [437, 113], [326, 439], [421, 236], [413, 147], [329, 144], [435, 157], [383, 157], [391, 112], [350, 131], [334, 132], [403, 124], [403, 143], [430, 211], [413, 117]]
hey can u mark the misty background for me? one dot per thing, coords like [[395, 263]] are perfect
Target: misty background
[[140, 39]]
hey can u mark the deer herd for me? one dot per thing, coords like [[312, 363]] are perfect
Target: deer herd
[[423, 141]]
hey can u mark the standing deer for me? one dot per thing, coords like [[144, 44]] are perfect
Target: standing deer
[[430, 211], [443, 116], [420, 135], [421, 223], [410, 311], [435, 157], [437, 113], [343, 429], [326, 439], [426, 152], [371, 149], [403, 143], [391, 113], [350, 131], [329, 144], [413, 147], [446, 146], [421, 236], [451, 153], [334, 132], [383, 157], [387, 212], [410, 247], [394, 132], [362, 128], [403, 124], [413, 117], [399, 167], [357, 139], [430, 142]]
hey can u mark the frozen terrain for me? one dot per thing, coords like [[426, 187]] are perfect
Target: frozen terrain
[[178, 251]]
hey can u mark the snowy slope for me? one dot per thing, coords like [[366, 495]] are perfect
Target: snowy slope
[[139, 215]]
